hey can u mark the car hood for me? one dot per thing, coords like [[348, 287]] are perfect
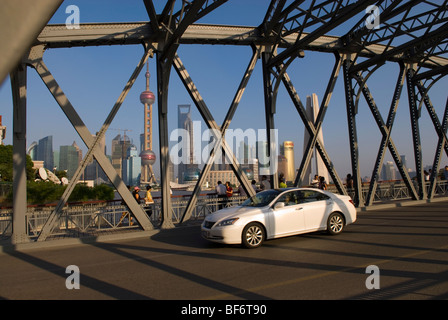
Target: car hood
[[232, 212]]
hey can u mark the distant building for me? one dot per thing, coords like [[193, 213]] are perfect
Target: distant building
[[227, 175], [318, 167], [388, 172], [45, 152], [68, 160], [78, 151], [32, 150], [287, 150], [120, 146], [188, 164], [132, 166], [93, 170]]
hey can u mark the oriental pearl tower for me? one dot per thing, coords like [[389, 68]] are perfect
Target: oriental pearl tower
[[148, 157]]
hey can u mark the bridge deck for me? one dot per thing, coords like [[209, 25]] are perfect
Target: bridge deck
[[407, 244]]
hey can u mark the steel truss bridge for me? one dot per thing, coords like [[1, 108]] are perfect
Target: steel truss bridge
[[410, 34]]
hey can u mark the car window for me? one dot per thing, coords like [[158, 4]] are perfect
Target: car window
[[305, 196], [261, 199], [289, 198]]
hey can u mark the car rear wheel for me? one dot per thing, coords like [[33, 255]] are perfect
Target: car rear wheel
[[253, 235], [335, 223]]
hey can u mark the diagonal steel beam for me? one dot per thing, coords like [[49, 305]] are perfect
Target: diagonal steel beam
[[441, 133], [438, 155], [270, 100], [432, 114], [20, 24], [153, 19], [218, 131], [386, 129], [406, 50], [36, 61], [345, 14], [272, 17], [171, 44], [314, 127]]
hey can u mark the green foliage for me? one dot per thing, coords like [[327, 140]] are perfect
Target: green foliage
[[6, 164], [85, 193], [104, 192], [61, 174], [40, 192]]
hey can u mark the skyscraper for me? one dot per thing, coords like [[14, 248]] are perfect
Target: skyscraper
[[45, 152], [119, 148], [187, 164], [32, 150], [319, 168], [68, 160], [132, 165], [93, 170], [287, 150], [388, 172]]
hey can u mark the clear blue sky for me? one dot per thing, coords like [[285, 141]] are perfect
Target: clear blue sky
[[93, 78]]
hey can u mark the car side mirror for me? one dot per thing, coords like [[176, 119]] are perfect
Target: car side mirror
[[279, 205]]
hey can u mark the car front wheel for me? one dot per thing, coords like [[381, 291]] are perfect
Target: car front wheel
[[335, 223], [253, 235]]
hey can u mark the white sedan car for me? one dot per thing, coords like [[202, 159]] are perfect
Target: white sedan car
[[279, 213]]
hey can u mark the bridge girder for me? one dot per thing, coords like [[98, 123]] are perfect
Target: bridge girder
[[411, 33]]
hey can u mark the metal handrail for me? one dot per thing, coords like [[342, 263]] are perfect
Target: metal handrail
[[85, 218]]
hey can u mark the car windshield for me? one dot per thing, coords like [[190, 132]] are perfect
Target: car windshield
[[261, 199]]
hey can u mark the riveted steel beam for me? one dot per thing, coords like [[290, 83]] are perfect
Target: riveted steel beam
[[314, 127], [36, 61], [20, 24], [441, 133], [352, 132], [219, 131], [340, 14], [385, 129], [415, 115]]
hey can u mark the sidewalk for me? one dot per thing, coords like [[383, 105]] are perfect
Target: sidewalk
[[106, 236]]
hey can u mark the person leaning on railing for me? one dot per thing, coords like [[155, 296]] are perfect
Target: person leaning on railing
[[148, 200]]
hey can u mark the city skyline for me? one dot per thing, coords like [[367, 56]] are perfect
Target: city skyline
[[93, 77], [389, 169]]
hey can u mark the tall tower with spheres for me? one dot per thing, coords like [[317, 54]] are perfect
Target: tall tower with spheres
[[148, 157]]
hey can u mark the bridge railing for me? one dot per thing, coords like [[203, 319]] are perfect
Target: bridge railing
[[92, 217], [83, 218]]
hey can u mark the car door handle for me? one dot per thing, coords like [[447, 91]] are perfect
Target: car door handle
[[298, 209]]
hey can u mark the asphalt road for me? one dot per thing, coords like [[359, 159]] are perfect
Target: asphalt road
[[408, 247]]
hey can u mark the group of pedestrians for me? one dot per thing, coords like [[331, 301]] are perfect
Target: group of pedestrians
[[147, 199], [319, 182], [224, 192]]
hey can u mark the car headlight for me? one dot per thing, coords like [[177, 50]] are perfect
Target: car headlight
[[227, 222]]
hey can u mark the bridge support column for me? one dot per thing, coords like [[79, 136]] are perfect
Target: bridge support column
[[415, 114], [18, 85], [352, 132], [163, 77]]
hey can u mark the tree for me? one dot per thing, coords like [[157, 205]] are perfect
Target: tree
[[6, 164]]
